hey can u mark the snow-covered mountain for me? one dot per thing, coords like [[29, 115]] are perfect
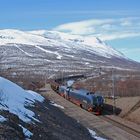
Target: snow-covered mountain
[[50, 50], [53, 38]]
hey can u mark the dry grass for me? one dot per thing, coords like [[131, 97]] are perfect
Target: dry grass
[[126, 83]]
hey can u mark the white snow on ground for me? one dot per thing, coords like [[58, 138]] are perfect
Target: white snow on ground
[[35, 96], [26, 132], [15, 99], [87, 63], [2, 119], [58, 55], [56, 105], [20, 37], [47, 51], [22, 50], [93, 134]]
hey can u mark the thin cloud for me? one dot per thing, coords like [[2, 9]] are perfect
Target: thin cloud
[[106, 29], [118, 35]]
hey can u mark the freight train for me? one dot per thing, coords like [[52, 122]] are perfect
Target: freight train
[[87, 100]]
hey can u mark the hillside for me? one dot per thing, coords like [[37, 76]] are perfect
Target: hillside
[[48, 52]]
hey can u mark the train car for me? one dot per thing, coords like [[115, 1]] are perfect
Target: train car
[[87, 100], [83, 98]]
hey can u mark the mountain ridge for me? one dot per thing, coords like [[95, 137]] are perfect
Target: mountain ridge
[[44, 37], [52, 52]]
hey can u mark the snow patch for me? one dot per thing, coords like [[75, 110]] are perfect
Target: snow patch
[[22, 50], [94, 135], [2, 119], [56, 105], [87, 63], [58, 55], [26, 132], [47, 51], [15, 99], [36, 96]]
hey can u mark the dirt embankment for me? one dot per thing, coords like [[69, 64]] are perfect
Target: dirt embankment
[[129, 106]]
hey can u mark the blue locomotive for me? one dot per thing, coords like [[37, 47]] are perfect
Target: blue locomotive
[[88, 100]]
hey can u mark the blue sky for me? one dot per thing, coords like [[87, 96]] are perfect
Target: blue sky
[[117, 22]]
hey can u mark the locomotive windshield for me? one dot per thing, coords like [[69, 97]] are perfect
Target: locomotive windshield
[[98, 100], [88, 93]]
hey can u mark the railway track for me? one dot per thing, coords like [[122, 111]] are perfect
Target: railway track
[[136, 106], [122, 126]]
